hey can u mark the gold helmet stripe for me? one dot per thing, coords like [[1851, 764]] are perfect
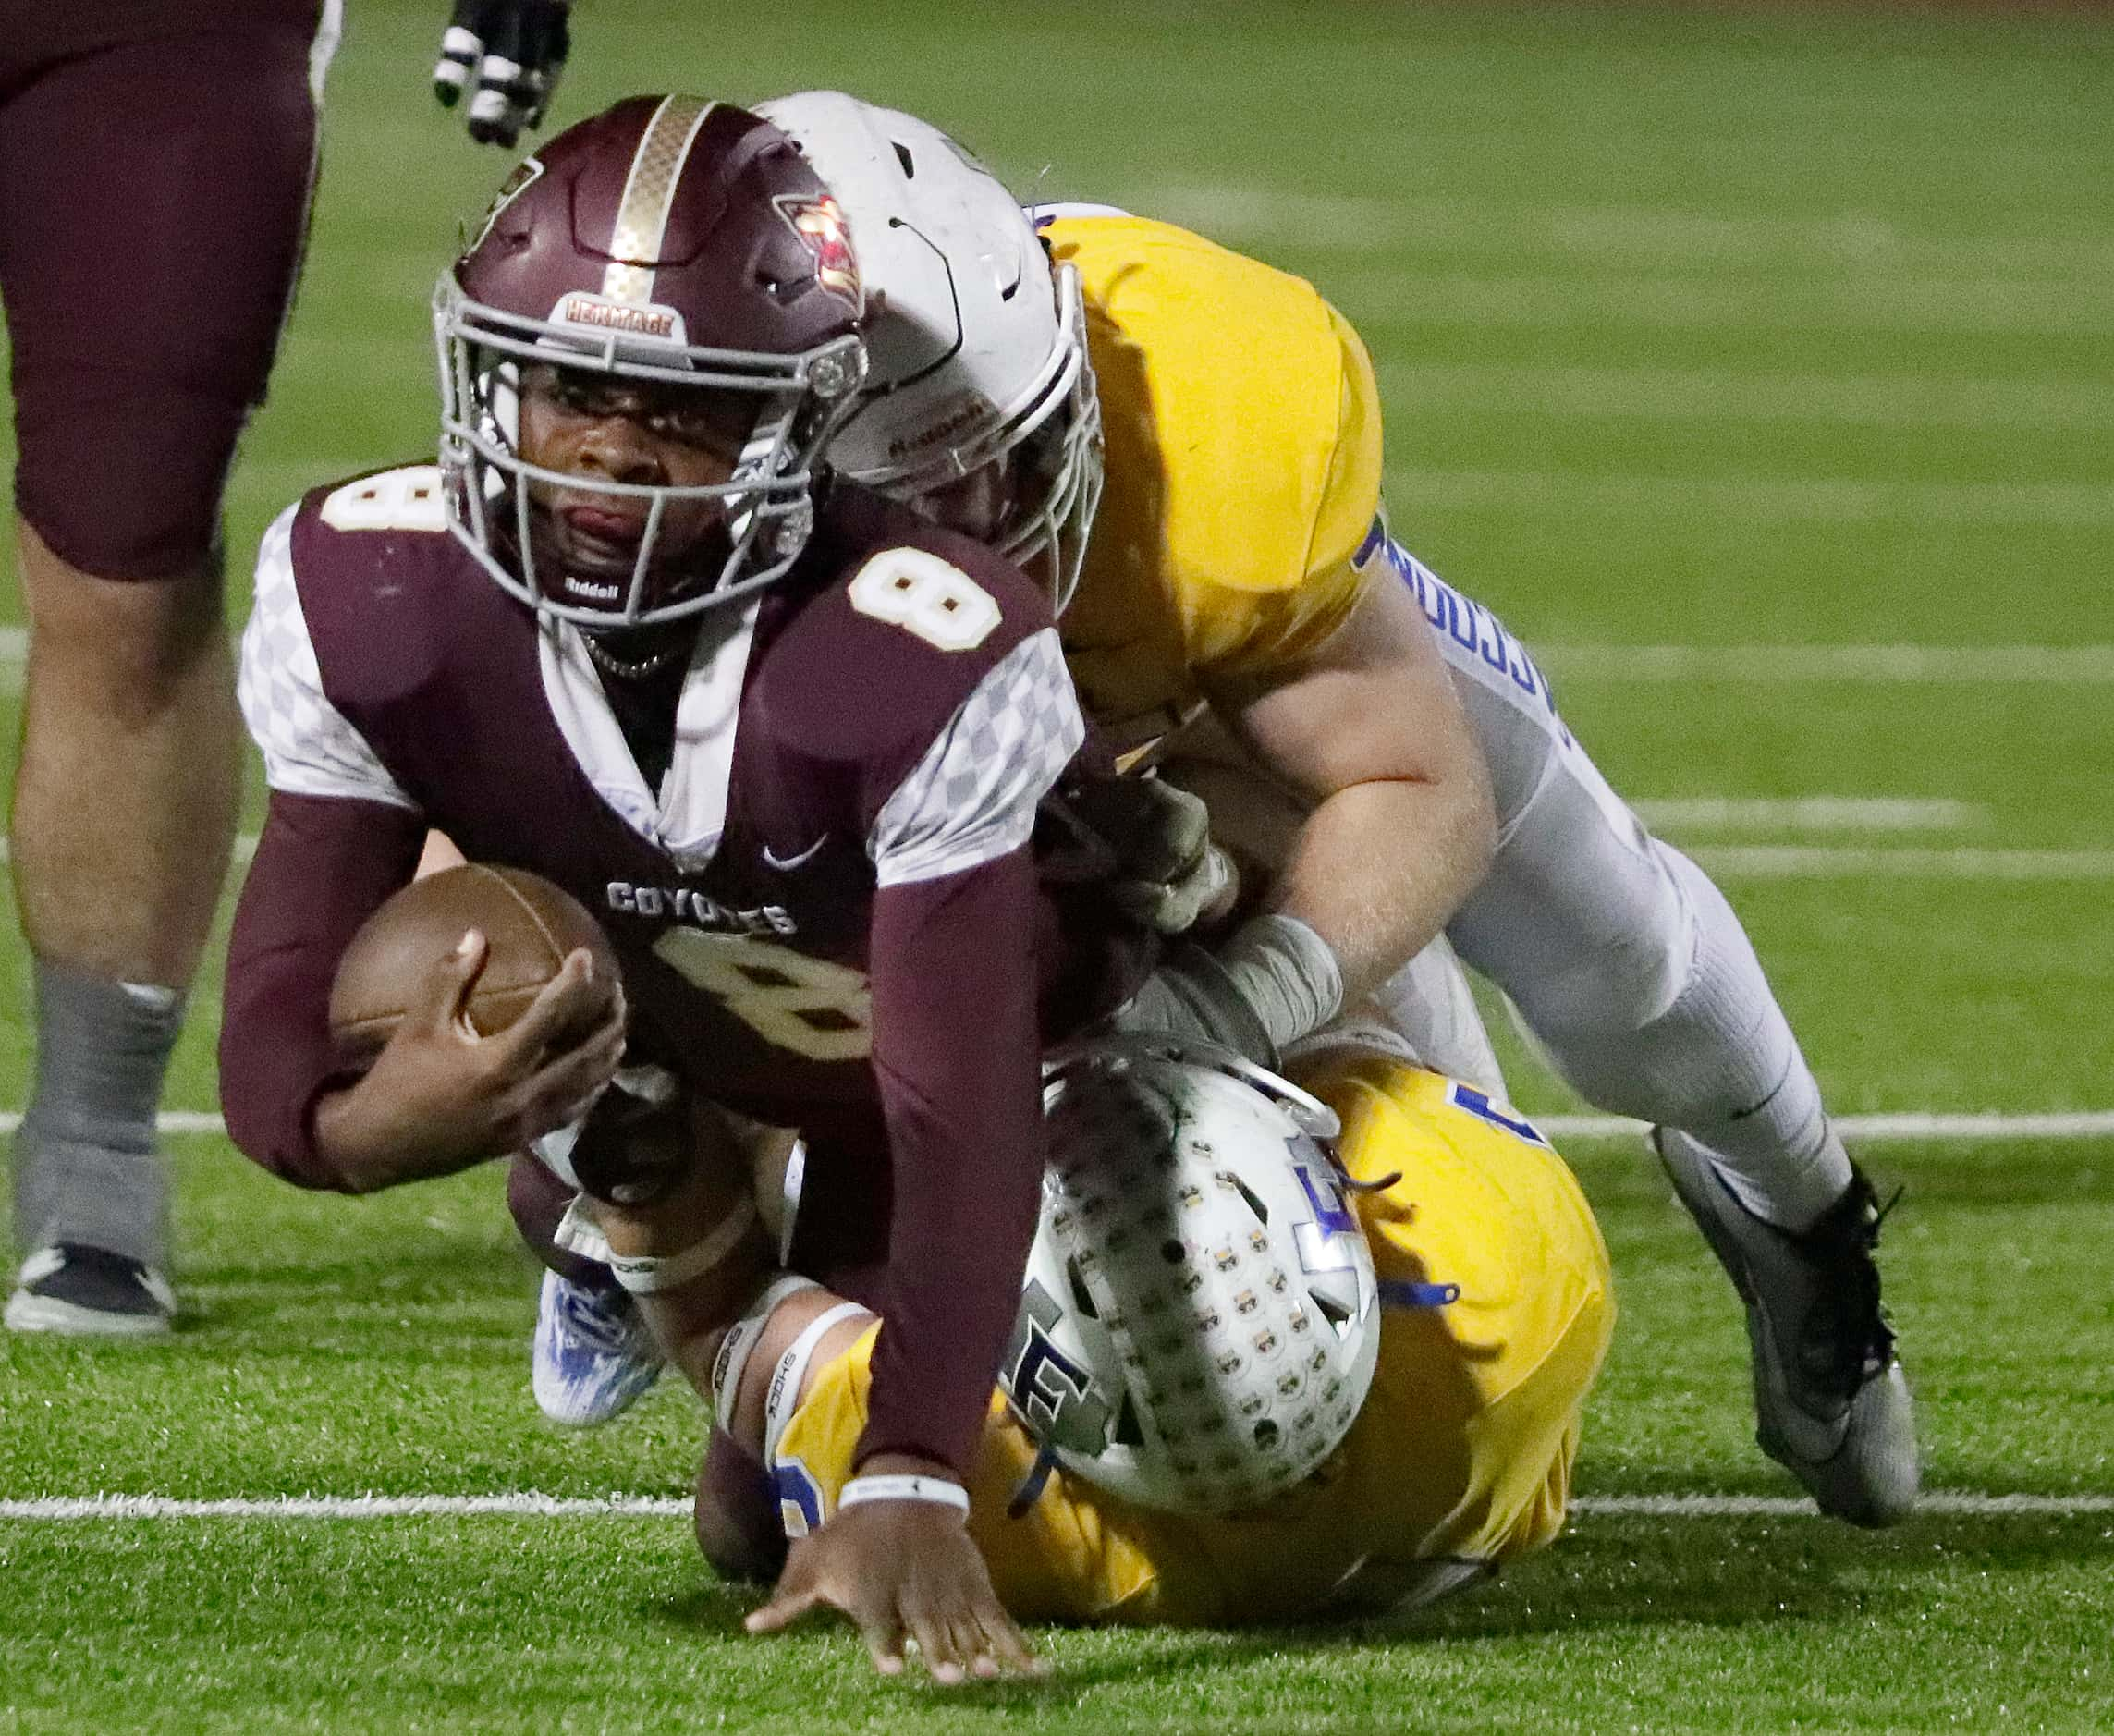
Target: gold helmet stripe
[[649, 194]]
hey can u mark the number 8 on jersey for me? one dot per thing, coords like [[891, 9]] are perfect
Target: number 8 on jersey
[[922, 594]]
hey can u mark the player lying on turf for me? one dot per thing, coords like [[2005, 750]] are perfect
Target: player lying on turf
[[1237, 533], [1244, 1426], [1237, 557], [788, 741]]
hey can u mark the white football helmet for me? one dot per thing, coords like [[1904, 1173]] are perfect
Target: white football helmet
[[1199, 1322], [976, 346]]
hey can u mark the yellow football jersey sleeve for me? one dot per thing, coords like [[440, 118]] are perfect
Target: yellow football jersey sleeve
[[1242, 427], [1463, 1451], [1074, 1556]]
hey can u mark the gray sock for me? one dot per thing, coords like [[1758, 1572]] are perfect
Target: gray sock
[[86, 1165]]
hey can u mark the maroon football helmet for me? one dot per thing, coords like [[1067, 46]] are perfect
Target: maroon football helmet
[[666, 246]]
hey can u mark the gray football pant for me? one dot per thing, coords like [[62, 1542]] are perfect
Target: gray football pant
[[1623, 961]]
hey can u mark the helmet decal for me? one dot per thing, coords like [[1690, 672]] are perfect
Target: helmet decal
[[823, 232], [662, 325], [977, 343]]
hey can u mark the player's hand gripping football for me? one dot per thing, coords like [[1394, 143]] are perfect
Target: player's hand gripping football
[[508, 55], [439, 1097], [903, 1571]]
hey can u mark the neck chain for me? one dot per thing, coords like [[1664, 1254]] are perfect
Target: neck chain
[[629, 669]]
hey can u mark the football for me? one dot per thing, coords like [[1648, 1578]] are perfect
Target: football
[[528, 923]]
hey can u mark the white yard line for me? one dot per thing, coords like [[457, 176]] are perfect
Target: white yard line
[[1234, 213], [1965, 1127], [1916, 401], [1935, 666], [1814, 862], [1938, 1503], [1761, 499], [1825, 862], [527, 1505], [1805, 862], [1808, 813], [1938, 665], [178, 1121]]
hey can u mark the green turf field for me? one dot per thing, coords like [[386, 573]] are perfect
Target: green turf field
[[1700, 333]]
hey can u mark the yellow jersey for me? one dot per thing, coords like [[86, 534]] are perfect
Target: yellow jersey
[[1242, 428], [1461, 1455]]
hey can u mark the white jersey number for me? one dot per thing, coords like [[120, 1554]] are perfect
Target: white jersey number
[[821, 1010], [408, 499], [922, 594]]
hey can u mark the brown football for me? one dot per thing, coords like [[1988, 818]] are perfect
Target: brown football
[[529, 924]]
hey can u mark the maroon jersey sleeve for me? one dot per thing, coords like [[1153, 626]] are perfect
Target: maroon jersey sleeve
[[955, 1054], [954, 718], [323, 864]]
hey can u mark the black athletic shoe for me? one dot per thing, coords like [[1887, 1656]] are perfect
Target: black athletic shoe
[[89, 1292], [1831, 1403]]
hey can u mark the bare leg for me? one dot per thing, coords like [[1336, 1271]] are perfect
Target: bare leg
[[123, 814], [124, 803]]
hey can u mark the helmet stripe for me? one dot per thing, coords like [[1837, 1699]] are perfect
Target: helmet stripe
[[649, 194]]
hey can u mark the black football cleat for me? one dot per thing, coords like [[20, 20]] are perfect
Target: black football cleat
[[1831, 1403], [78, 1291]]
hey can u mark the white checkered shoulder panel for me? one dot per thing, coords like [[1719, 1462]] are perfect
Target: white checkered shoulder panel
[[309, 748], [972, 797]]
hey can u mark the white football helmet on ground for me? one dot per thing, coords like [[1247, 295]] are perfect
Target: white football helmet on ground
[[977, 347], [1199, 1322]]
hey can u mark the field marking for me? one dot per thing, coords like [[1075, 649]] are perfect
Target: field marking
[[1231, 214], [1830, 862], [1806, 862], [1809, 813], [1748, 396], [1938, 1503], [1954, 1503], [1401, 300], [1937, 1126], [528, 1505], [1966, 1126], [1935, 666], [1695, 813], [1762, 499]]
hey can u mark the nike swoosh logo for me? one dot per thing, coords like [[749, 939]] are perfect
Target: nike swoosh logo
[[785, 865]]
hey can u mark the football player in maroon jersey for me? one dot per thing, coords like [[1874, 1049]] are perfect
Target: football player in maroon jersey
[[790, 741], [155, 155]]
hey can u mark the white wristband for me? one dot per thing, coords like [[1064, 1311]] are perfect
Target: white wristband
[[934, 1491]]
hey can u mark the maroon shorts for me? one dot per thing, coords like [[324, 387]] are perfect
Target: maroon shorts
[[154, 181]]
